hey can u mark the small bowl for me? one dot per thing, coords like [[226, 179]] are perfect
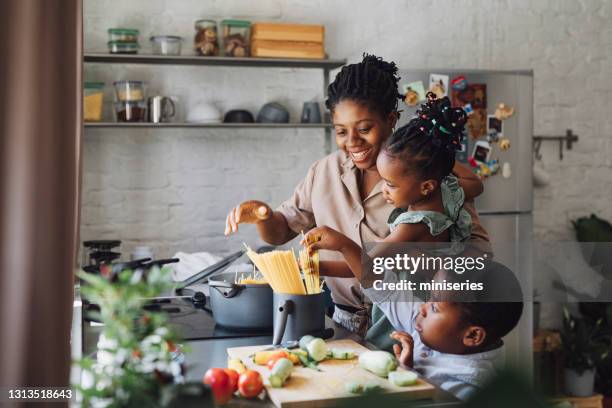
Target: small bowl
[[238, 116], [166, 44], [273, 112]]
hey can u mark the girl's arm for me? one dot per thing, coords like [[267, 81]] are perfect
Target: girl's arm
[[335, 269], [471, 184], [330, 239]]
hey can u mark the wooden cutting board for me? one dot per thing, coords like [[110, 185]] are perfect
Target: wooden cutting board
[[310, 388]]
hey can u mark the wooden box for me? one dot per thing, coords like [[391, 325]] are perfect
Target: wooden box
[[287, 49], [288, 32]]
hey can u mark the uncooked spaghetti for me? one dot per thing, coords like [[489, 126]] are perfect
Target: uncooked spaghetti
[[282, 271]]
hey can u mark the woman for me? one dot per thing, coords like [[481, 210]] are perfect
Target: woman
[[344, 190]]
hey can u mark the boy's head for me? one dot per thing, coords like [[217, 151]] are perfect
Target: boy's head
[[420, 154], [466, 327], [470, 321]]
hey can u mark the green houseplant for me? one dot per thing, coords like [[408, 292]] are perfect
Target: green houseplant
[[139, 362], [584, 346]]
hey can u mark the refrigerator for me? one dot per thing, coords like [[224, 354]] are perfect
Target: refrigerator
[[506, 205]]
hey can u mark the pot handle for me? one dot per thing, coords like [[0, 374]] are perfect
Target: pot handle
[[233, 288], [279, 329]]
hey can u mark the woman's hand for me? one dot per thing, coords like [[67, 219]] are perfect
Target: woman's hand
[[324, 238], [404, 353], [248, 212]]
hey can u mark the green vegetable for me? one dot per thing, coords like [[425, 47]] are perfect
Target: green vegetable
[[280, 372], [403, 378], [305, 340], [371, 387], [380, 363], [317, 349], [339, 354], [308, 362], [354, 387], [299, 352]]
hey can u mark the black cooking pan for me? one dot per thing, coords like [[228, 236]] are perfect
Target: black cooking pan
[[240, 306]]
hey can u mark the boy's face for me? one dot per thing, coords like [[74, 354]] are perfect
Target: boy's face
[[440, 327]]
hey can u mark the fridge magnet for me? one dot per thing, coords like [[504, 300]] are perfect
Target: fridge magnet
[[438, 84], [504, 143], [492, 136], [472, 162], [474, 94], [413, 88], [459, 83], [482, 151], [506, 170], [477, 123], [468, 109], [488, 169], [494, 125], [411, 98], [503, 111]]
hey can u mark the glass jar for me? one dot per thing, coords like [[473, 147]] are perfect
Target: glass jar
[[205, 41], [129, 91], [93, 99], [166, 44], [236, 38], [131, 111], [116, 47], [123, 34]]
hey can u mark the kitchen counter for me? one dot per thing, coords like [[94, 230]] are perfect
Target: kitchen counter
[[213, 353]]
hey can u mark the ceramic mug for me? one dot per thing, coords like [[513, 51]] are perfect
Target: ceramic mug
[[311, 113]]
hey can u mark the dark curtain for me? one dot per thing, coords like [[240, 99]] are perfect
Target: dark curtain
[[40, 130]]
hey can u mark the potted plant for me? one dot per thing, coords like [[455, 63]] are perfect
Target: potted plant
[[584, 346], [139, 360]]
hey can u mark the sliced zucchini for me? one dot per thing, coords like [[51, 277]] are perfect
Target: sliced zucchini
[[403, 378]]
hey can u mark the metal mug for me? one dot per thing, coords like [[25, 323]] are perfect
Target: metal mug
[[297, 315], [311, 113], [161, 109]]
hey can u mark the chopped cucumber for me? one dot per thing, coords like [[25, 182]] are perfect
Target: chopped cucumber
[[354, 387], [305, 340], [380, 363], [317, 349], [339, 354], [403, 378], [371, 387], [280, 372]]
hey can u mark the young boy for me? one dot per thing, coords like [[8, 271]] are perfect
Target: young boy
[[455, 339], [457, 346]]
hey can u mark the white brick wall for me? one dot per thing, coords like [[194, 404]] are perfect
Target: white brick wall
[[171, 189]]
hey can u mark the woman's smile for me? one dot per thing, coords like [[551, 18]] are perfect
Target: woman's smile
[[360, 155]]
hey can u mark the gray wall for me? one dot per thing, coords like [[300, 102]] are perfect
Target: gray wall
[[171, 189]]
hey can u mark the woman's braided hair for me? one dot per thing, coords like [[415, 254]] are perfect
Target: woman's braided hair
[[371, 82], [427, 144]]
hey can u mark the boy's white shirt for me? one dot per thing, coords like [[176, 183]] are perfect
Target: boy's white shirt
[[460, 374]]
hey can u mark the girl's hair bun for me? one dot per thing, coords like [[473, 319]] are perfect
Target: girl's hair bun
[[441, 122]]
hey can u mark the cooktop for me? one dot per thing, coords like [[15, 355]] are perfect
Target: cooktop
[[193, 321]]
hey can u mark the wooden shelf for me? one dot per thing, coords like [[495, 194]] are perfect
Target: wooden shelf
[[139, 125], [212, 61]]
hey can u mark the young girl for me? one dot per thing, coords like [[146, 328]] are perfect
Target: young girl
[[416, 164]]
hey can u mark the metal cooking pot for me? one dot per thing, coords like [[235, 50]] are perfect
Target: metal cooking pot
[[297, 315], [238, 306]]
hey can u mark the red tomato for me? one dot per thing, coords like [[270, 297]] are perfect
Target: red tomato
[[219, 382], [233, 377], [250, 384], [275, 356]]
